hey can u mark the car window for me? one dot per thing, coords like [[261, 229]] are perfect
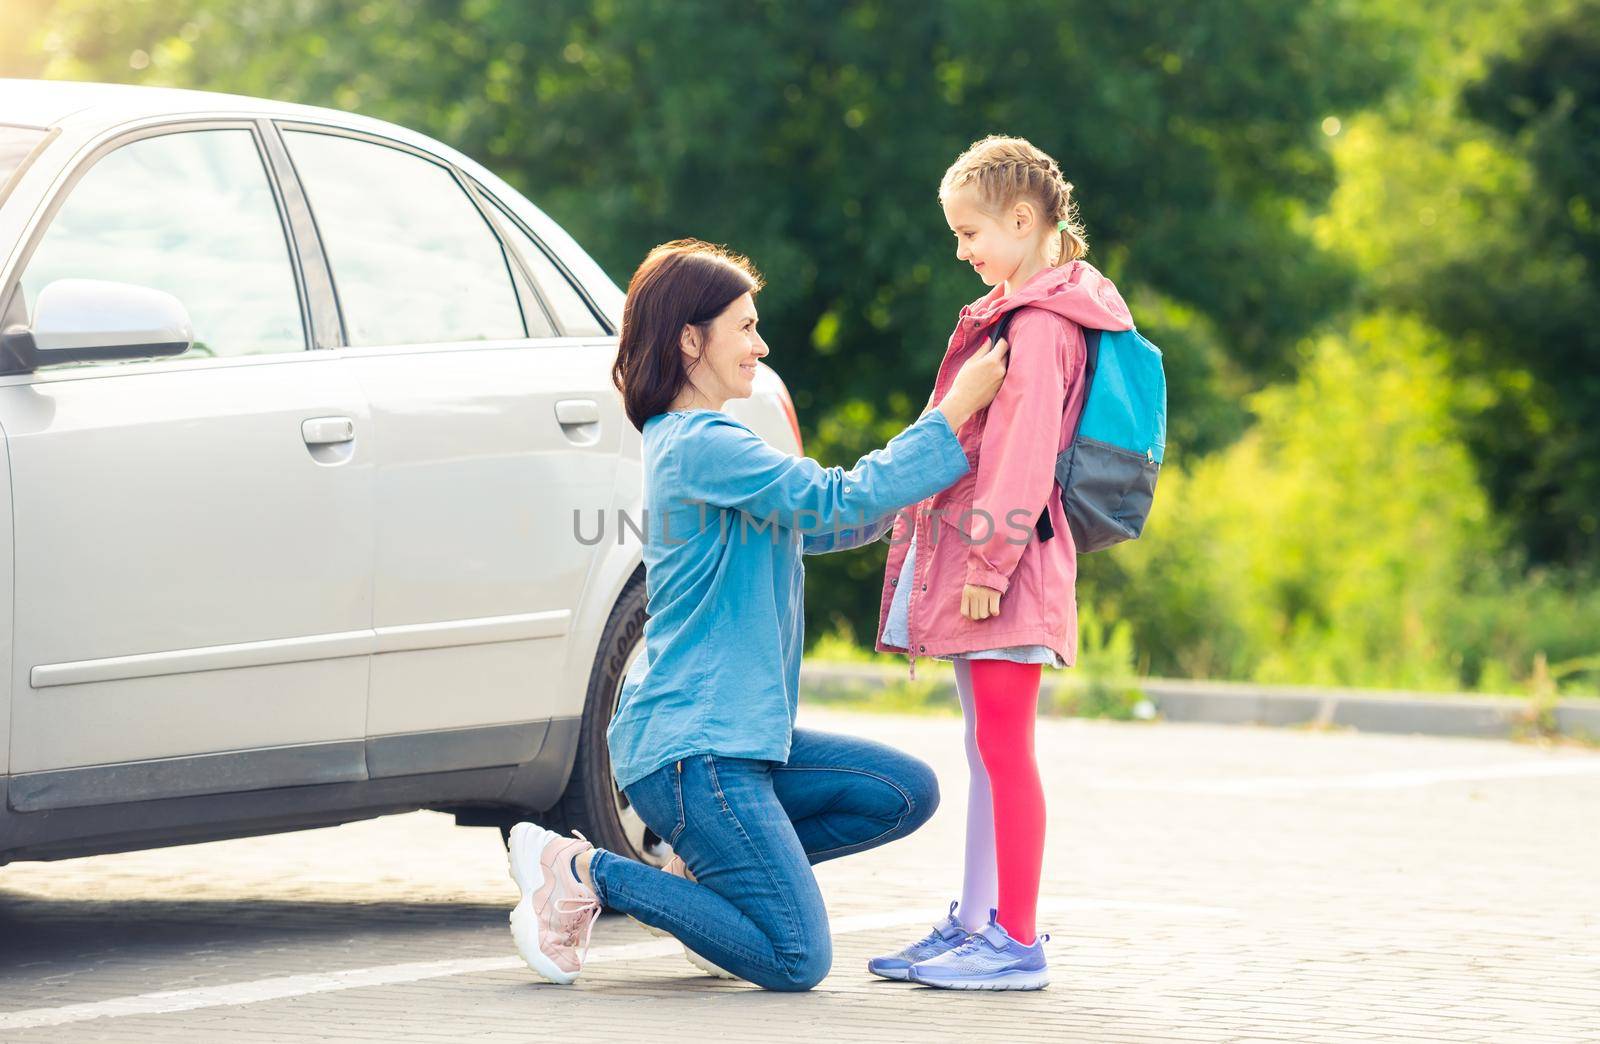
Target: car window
[[190, 213], [572, 312], [413, 260], [15, 144]]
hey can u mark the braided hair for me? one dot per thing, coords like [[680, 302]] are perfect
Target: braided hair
[[1003, 171]]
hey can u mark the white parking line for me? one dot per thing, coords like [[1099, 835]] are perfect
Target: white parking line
[[282, 987], [1393, 780]]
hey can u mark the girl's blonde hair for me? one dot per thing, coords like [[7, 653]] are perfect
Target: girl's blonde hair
[[1003, 171]]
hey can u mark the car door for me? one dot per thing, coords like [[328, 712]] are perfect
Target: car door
[[194, 536], [495, 422]]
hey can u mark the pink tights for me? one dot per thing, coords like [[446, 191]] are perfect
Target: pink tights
[[1005, 802]]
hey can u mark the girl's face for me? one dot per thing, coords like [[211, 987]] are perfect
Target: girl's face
[[995, 247], [722, 358]]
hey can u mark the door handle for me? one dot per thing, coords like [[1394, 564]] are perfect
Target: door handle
[[578, 411], [328, 431]]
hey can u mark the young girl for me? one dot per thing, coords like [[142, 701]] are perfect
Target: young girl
[[987, 578]]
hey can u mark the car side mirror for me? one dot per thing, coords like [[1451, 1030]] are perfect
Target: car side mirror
[[76, 320]]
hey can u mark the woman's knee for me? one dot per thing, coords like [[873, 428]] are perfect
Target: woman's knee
[[808, 966], [921, 787], [904, 793]]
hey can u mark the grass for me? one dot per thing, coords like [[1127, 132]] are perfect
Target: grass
[[1101, 685]]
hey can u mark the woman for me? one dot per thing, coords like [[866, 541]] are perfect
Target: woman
[[703, 741]]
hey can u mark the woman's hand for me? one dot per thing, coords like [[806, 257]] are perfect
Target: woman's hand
[[979, 603], [976, 384]]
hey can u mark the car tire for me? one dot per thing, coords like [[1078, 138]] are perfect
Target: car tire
[[591, 802]]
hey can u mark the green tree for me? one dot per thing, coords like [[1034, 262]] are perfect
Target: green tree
[[1331, 543], [811, 134], [1469, 200], [1544, 293]]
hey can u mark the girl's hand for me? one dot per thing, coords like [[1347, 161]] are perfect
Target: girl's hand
[[979, 603]]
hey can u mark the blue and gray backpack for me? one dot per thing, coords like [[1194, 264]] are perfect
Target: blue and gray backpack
[[1108, 471]]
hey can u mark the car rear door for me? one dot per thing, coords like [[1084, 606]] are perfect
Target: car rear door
[[495, 421]]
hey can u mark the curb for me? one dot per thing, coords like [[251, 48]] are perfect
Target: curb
[[1239, 703]]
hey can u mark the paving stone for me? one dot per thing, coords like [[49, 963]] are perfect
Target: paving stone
[[1209, 883]]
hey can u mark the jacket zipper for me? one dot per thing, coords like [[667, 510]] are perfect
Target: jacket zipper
[[911, 641], [911, 599], [921, 562]]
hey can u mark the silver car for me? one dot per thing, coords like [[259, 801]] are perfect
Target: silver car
[[317, 502]]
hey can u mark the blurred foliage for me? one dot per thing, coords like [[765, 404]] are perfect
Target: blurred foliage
[[1252, 567], [1104, 682], [1104, 685], [1470, 200], [1345, 541], [1365, 235]]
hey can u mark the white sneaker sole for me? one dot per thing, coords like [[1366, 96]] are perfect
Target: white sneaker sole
[[689, 955], [707, 967], [522, 855], [1035, 980], [896, 974]]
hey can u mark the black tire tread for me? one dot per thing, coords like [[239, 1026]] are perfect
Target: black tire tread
[[588, 788]]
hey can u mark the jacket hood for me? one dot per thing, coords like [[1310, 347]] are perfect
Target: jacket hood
[[1076, 291]]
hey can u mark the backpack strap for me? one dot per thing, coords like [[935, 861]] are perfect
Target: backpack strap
[[1091, 362], [1000, 328], [1091, 342], [1042, 526]]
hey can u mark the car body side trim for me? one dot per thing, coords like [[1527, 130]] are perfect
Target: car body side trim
[[301, 764], [130, 822], [404, 638], [338, 762], [409, 753], [482, 631]]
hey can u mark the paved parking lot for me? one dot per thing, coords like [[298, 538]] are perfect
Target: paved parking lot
[[1204, 884]]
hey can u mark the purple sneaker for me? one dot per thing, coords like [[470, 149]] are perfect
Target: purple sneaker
[[989, 959], [946, 935]]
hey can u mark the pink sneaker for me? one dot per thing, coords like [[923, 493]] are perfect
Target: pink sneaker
[[557, 911], [678, 868]]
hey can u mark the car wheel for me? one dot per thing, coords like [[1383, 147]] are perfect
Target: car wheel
[[592, 802]]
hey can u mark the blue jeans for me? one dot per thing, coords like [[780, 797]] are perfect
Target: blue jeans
[[750, 830]]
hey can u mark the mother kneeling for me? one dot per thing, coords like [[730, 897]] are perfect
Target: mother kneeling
[[703, 741]]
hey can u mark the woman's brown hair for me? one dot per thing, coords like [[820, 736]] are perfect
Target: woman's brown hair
[[683, 283]]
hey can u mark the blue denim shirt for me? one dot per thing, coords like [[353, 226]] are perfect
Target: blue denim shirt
[[728, 518]]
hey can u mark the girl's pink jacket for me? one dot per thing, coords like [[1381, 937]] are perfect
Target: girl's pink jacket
[[981, 529]]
